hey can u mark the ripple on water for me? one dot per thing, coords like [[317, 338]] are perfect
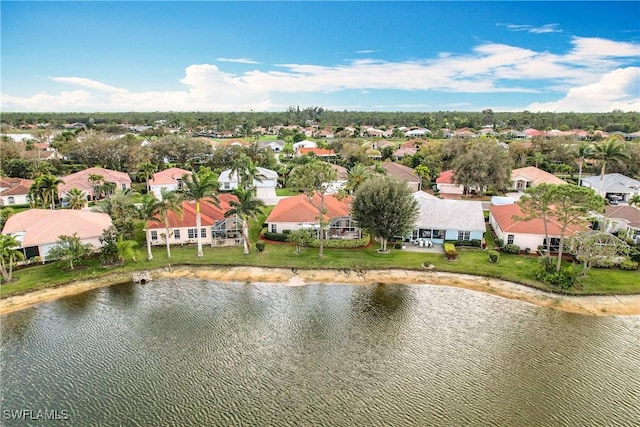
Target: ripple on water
[[171, 352]]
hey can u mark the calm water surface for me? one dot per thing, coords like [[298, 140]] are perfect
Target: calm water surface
[[191, 352]]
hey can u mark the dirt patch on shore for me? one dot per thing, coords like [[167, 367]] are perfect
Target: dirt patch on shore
[[590, 305]]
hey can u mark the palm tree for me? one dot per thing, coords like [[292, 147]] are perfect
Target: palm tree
[[634, 200], [197, 187], [146, 170], [45, 190], [148, 211], [358, 174], [121, 205], [170, 202], [583, 152], [96, 181], [9, 253], [126, 250], [612, 150], [75, 199], [247, 206]]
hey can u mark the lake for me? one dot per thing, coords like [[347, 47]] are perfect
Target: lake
[[196, 352]]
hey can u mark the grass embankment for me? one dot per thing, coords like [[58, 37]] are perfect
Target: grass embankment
[[518, 269], [514, 268]]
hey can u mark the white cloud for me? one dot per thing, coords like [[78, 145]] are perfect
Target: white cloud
[[547, 28], [238, 60], [592, 66], [619, 89]]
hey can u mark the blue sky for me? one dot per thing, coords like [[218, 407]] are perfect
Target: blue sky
[[359, 56]]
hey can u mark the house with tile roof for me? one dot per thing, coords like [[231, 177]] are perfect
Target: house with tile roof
[[298, 212], [621, 218], [14, 191], [323, 153], [403, 173], [38, 230], [527, 234], [446, 183], [80, 180], [169, 179], [613, 185], [441, 220], [342, 177], [216, 230], [530, 176]]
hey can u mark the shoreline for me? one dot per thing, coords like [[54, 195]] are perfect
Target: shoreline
[[622, 305]]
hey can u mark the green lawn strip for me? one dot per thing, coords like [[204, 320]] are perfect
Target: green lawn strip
[[519, 269]]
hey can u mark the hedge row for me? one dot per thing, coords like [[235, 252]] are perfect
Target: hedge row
[[330, 243]]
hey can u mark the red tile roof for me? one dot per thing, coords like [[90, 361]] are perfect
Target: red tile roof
[[320, 152], [504, 217], [168, 176], [209, 214], [300, 209], [446, 177], [15, 186]]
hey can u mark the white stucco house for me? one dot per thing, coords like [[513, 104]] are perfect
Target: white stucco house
[[613, 184], [14, 191], [446, 184], [265, 186]]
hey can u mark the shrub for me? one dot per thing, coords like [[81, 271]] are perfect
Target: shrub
[[604, 263], [499, 243], [511, 249], [277, 237], [564, 279], [628, 264], [260, 245], [494, 256], [343, 243], [474, 243], [450, 251]]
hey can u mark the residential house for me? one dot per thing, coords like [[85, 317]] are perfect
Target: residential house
[[265, 187], [530, 176], [441, 220], [38, 230], [216, 230], [275, 145], [298, 212], [422, 132], [621, 218], [323, 153], [169, 179], [403, 173], [14, 191], [446, 183], [80, 180], [613, 186], [342, 177], [526, 234], [307, 143]]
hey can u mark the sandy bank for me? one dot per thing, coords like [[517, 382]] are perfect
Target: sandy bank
[[590, 305]]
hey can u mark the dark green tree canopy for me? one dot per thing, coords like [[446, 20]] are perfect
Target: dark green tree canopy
[[385, 207]]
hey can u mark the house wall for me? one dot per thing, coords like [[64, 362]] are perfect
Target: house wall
[[44, 249], [185, 240], [156, 189], [474, 235], [19, 199], [450, 188]]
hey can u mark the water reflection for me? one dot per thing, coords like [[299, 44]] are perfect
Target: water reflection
[[239, 354]]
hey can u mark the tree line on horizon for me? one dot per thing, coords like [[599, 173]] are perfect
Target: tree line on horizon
[[616, 120]]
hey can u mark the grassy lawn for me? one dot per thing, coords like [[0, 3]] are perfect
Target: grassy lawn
[[280, 192], [515, 268]]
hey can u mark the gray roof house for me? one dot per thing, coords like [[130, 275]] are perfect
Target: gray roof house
[[613, 184], [275, 145], [441, 220]]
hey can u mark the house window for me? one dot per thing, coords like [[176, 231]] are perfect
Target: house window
[[437, 234], [510, 238], [203, 232], [192, 233], [227, 186], [124, 186], [464, 235], [11, 200], [274, 228], [179, 182], [176, 234], [554, 246], [154, 235], [425, 234]]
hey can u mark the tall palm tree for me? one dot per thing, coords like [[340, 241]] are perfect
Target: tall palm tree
[[147, 211], [146, 170], [75, 199], [96, 181], [247, 206], [9, 253], [584, 151], [170, 202], [635, 200], [45, 189], [197, 187], [612, 150]]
